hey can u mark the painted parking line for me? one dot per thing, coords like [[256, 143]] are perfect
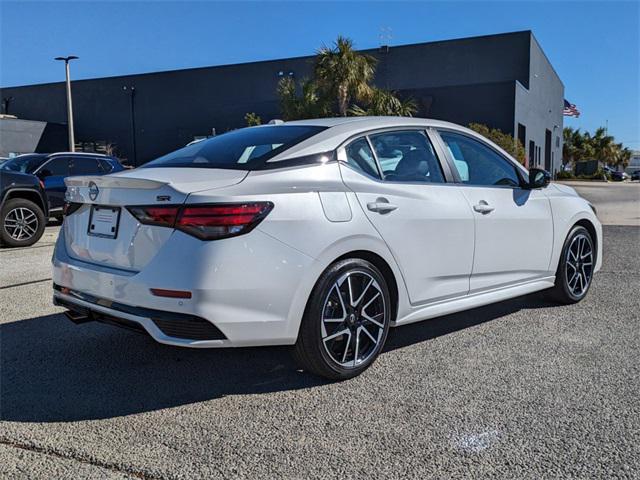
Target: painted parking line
[[25, 283]]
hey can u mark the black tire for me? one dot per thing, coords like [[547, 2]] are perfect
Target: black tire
[[33, 223], [318, 353], [564, 290]]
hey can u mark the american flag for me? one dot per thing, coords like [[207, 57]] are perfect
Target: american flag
[[570, 110]]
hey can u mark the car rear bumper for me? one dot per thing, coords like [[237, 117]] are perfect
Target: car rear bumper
[[243, 291], [165, 327]]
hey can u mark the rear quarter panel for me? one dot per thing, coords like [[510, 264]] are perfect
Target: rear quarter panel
[[315, 214]]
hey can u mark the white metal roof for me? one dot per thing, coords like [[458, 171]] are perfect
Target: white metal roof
[[339, 129]]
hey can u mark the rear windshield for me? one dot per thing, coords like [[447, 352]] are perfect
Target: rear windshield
[[244, 149]]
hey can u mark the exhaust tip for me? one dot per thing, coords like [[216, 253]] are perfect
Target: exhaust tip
[[77, 317]]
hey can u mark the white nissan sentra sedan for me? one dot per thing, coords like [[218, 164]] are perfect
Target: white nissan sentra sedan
[[320, 234]]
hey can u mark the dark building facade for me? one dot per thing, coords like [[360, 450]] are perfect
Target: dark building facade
[[504, 81], [26, 136]]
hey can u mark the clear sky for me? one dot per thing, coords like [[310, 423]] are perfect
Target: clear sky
[[594, 46]]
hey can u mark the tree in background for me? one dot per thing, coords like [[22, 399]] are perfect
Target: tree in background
[[572, 146], [383, 102], [344, 74], [307, 105], [341, 86], [252, 119], [581, 146], [622, 155], [603, 145], [511, 145]]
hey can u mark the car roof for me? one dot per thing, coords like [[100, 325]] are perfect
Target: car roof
[[340, 129], [23, 155], [370, 123], [80, 154]]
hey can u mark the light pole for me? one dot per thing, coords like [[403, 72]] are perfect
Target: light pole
[[72, 142]]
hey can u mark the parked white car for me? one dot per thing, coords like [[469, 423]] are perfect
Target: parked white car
[[320, 234]]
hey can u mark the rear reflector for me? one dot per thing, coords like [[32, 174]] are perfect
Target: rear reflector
[[161, 292], [206, 221]]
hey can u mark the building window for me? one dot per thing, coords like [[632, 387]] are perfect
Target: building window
[[532, 153], [522, 134]]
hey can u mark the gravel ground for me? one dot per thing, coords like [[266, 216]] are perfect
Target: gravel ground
[[521, 389]]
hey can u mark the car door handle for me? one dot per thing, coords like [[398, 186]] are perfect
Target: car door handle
[[381, 205], [483, 207]]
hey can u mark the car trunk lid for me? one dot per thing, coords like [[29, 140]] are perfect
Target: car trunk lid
[[102, 231]]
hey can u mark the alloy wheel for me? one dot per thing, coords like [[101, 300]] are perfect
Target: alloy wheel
[[353, 319], [21, 223], [579, 265]]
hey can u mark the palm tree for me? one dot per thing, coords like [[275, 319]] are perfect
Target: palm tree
[[308, 105], [569, 144], [341, 85], [604, 147], [343, 74], [577, 146], [622, 156], [599, 146], [383, 102]]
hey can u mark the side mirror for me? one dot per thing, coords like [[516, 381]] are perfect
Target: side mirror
[[538, 178]]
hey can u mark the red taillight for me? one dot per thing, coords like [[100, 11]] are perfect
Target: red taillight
[[161, 216], [210, 222], [207, 222]]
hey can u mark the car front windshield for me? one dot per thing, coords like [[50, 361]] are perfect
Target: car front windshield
[[23, 163], [243, 149]]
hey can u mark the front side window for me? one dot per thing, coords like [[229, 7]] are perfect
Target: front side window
[[56, 167], [360, 157], [477, 164], [407, 156], [243, 149]]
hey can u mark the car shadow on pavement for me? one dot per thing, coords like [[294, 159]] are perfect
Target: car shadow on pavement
[[54, 371]]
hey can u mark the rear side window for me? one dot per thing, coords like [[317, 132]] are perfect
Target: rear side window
[[244, 149], [407, 156], [106, 166], [360, 157], [85, 166]]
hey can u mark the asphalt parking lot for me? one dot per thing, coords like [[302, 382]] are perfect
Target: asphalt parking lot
[[521, 389]]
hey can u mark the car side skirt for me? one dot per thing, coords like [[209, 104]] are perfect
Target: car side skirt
[[475, 300]]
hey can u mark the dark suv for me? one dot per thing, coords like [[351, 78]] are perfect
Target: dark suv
[[23, 209], [32, 189], [53, 168]]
